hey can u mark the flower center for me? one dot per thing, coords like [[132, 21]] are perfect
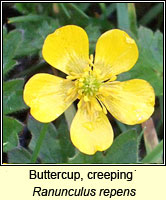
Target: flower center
[[88, 85]]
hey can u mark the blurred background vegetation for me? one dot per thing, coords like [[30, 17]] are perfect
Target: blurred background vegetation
[[25, 26]]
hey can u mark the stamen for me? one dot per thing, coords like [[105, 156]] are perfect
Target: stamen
[[91, 58], [103, 91], [85, 74], [86, 99], [96, 104], [87, 69], [73, 74], [80, 103], [80, 84], [97, 73], [88, 84], [69, 91], [80, 92], [71, 77], [89, 109], [103, 106], [113, 78]]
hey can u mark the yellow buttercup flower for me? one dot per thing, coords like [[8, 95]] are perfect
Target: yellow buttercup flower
[[93, 81]]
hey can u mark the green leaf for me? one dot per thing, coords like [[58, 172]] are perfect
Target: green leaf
[[10, 64], [103, 8], [34, 8], [50, 148], [83, 6], [122, 16], [65, 10], [132, 18], [69, 115], [110, 9], [78, 10], [67, 148], [27, 18], [151, 14], [152, 45], [56, 146], [122, 126], [150, 63], [93, 34], [4, 32], [26, 8], [81, 158], [161, 107], [34, 35], [12, 41], [39, 142], [155, 155], [11, 129], [70, 13], [124, 149], [13, 96], [19, 155]]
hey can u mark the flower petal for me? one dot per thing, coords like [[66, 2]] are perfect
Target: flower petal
[[131, 102], [46, 95], [67, 49], [91, 131], [116, 52]]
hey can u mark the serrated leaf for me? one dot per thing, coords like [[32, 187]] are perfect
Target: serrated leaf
[[124, 149], [56, 146], [11, 43], [34, 35], [152, 46], [13, 96], [67, 148], [19, 155], [11, 129], [150, 63], [50, 151], [9, 66]]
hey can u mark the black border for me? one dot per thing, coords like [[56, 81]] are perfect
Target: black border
[[38, 165]]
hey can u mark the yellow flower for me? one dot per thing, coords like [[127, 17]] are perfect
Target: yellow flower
[[91, 81]]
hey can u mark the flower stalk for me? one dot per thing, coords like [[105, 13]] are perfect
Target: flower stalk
[[39, 143]]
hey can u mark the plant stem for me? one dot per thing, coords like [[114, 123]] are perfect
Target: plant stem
[[78, 10], [132, 18], [65, 10], [103, 8], [39, 143], [155, 155]]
